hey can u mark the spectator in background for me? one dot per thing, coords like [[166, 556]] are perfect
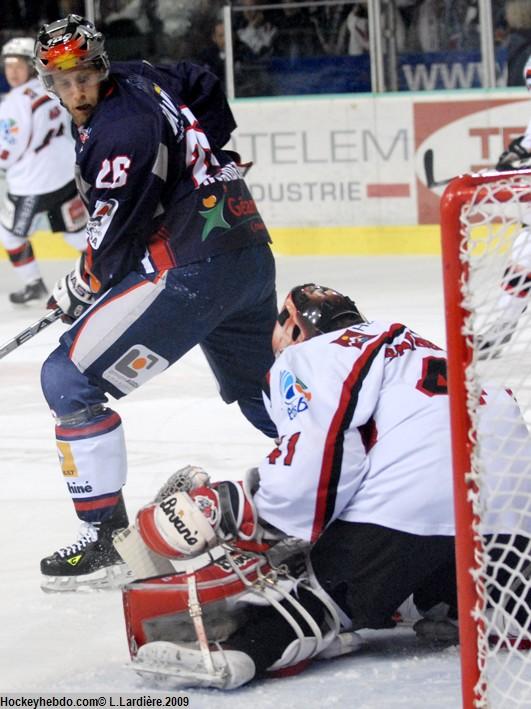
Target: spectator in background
[[353, 37], [518, 14], [135, 11], [256, 31], [461, 25], [169, 21], [250, 79], [429, 25], [327, 20], [213, 55], [296, 33], [205, 15]]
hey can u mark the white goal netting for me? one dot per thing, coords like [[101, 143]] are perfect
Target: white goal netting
[[495, 288]]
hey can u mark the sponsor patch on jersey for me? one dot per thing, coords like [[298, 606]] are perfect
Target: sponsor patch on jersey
[[213, 216], [66, 459], [134, 368], [294, 392], [241, 207], [84, 134], [79, 489], [8, 130], [30, 93], [352, 338], [100, 221]]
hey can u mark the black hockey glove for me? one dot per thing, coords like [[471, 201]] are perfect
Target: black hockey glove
[[515, 157], [72, 293]]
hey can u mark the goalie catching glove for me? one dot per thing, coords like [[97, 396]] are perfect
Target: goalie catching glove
[[515, 157], [186, 524], [72, 293]]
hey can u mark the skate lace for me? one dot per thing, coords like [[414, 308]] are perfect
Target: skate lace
[[87, 534]]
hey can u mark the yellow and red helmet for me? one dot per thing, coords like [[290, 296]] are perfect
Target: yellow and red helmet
[[68, 44]]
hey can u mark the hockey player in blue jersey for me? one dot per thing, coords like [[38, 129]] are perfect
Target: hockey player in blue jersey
[[178, 255]]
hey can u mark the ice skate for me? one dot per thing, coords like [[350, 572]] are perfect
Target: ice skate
[[34, 292], [178, 665], [91, 562]]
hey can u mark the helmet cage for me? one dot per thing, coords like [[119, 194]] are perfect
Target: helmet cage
[[69, 44]]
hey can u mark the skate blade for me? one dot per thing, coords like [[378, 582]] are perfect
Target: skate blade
[[107, 579], [173, 677]]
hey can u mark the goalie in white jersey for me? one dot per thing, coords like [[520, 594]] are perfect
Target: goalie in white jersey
[[37, 156], [361, 470]]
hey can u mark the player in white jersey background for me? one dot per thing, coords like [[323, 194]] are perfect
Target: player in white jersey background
[[37, 156]]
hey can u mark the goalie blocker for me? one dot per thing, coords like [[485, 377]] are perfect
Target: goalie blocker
[[185, 524]]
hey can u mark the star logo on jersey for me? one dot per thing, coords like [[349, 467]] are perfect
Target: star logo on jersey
[[295, 394], [8, 130], [351, 338], [213, 216]]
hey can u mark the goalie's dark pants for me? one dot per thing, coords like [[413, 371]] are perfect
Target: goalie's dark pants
[[369, 571]]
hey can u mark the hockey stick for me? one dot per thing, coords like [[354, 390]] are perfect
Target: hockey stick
[[428, 170], [30, 332]]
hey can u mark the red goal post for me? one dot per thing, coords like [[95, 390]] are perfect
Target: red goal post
[[486, 252]]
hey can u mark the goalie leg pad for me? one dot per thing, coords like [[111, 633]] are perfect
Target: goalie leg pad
[[178, 665]]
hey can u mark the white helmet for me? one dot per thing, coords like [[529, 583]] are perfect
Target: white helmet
[[527, 73], [19, 47]]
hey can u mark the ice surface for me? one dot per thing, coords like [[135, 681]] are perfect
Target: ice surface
[[76, 642]]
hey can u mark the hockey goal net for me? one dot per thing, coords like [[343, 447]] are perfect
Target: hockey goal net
[[487, 284]]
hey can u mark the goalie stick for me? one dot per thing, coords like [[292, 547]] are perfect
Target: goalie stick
[[30, 332], [428, 170]]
